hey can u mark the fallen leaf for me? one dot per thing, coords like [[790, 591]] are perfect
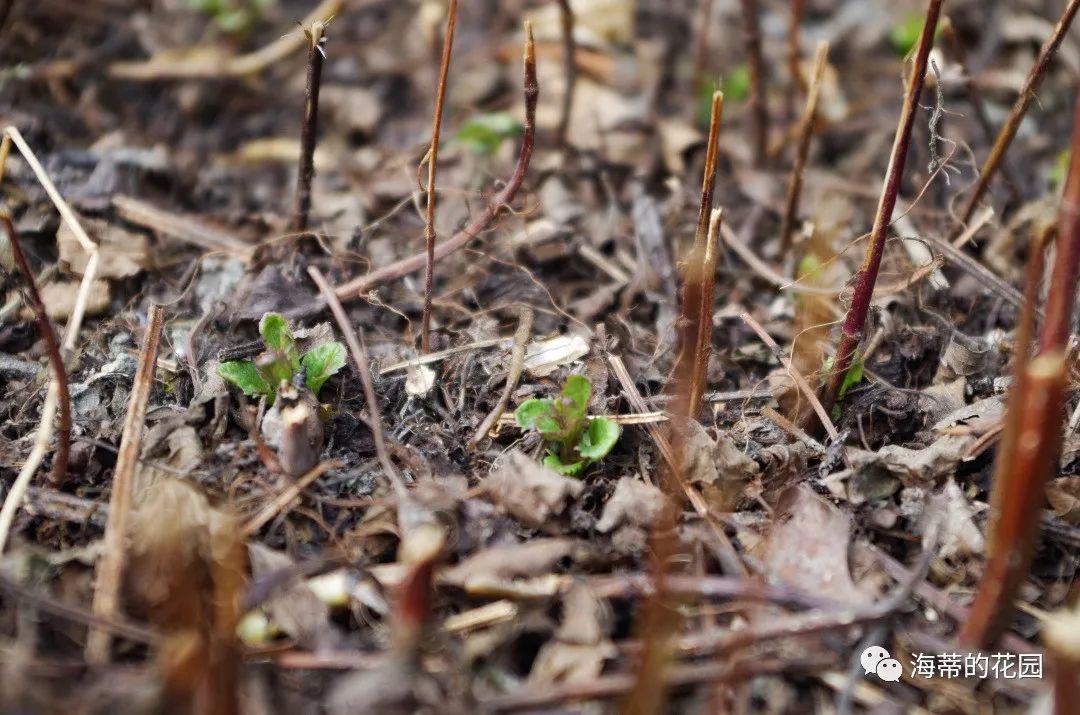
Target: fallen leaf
[[121, 253], [958, 536], [294, 608], [807, 546], [1064, 497], [529, 491], [633, 502], [59, 298], [580, 647], [537, 556]]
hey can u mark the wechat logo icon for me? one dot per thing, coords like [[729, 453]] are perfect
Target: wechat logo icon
[[877, 661]]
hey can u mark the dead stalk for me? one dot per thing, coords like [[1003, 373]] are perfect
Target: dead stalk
[[56, 361], [110, 566], [1031, 444], [281, 502], [363, 371], [361, 285], [794, 24], [1019, 109], [806, 132], [868, 273], [756, 64], [696, 319], [432, 159], [566, 18], [517, 363], [309, 129]]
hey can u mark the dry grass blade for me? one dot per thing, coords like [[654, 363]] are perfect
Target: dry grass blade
[[868, 273], [110, 564], [1019, 109], [806, 132], [363, 371], [432, 159], [361, 285], [280, 503]]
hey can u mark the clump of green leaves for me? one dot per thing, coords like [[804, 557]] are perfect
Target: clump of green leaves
[[232, 16], [282, 360], [574, 439], [485, 133]]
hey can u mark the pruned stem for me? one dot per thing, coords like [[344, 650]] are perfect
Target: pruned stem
[[868, 273], [110, 566], [696, 319], [1031, 444], [1016, 114], [309, 129], [432, 164], [756, 64], [405, 266], [806, 132], [566, 19]]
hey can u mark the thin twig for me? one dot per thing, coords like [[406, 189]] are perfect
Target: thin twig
[[110, 566], [52, 345], [517, 363], [359, 286], [43, 437], [432, 164], [756, 64], [363, 371], [800, 381], [566, 19], [281, 502], [1019, 109], [180, 227], [309, 129], [806, 132], [868, 273]]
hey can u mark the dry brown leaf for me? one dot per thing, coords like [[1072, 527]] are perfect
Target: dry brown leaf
[[1064, 497], [294, 608], [718, 467], [530, 558], [633, 502], [580, 647], [529, 491], [59, 298], [807, 546], [121, 253]]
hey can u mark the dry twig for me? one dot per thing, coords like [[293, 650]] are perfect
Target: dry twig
[[1019, 109], [517, 363], [432, 159], [361, 285], [806, 132], [309, 128], [110, 566], [363, 371]]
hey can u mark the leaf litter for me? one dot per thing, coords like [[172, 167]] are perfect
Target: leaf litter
[[297, 545]]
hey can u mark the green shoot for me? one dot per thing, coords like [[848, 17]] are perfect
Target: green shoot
[[574, 439], [233, 17], [485, 133], [282, 360]]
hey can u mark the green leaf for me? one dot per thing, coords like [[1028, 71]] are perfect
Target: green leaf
[[530, 411], [570, 470], [600, 437], [736, 86], [853, 377], [1060, 169], [275, 368], [245, 375], [576, 392], [484, 133], [321, 363], [809, 267], [276, 335]]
